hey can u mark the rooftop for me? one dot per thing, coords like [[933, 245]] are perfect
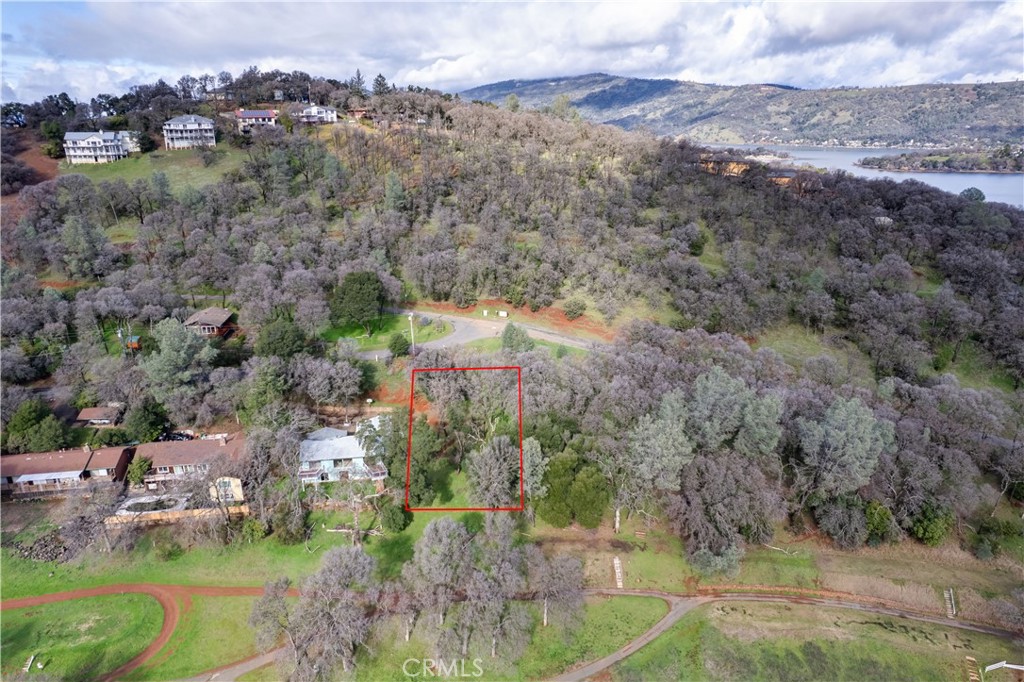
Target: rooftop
[[216, 317], [189, 118], [58, 464], [98, 413], [183, 452]]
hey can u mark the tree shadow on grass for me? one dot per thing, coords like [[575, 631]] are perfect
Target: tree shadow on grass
[[391, 553], [439, 478]]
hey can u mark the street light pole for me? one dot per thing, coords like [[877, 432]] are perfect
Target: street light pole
[[412, 333]]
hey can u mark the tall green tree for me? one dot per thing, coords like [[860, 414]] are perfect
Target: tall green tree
[[145, 421], [516, 339], [555, 507], [178, 372], [359, 300], [380, 85], [282, 338], [840, 452]]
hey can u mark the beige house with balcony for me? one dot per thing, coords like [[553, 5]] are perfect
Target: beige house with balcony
[[99, 147]]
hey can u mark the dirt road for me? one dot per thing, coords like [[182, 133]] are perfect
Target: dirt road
[[176, 600]]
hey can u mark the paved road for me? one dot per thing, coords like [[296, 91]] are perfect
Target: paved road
[[468, 329]]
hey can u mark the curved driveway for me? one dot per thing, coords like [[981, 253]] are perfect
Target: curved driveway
[[468, 329]]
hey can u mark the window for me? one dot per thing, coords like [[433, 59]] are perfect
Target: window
[[163, 470]]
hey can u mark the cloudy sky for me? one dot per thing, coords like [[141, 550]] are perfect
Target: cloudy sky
[[85, 48]]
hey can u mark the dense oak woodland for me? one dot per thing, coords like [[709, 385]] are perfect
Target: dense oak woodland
[[687, 424]]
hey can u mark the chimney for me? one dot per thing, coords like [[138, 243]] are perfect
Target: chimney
[[86, 448], [222, 441]]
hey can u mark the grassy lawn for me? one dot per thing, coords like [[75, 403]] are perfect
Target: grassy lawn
[[609, 624], [974, 368], [382, 331], [214, 632], [763, 566], [655, 562], [182, 167], [796, 344], [80, 639], [237, 564], [752, 641], [493, 345]]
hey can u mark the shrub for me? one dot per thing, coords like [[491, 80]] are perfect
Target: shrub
[[515, 339], [167, 548], [574, 308], [708, 563], [137, 470], [394, 518], [931, 525], [398, 345], [102, 438], [881, 527], [253, 530]]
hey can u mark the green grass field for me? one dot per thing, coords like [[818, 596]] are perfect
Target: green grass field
[[80, 639], [609, 624], [974, 368], [237, 564], [796, 345], [214, 632], [494, 346], [754, 641], [389, 324], [183, 168]]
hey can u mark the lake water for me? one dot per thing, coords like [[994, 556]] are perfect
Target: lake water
[[1006, 188]]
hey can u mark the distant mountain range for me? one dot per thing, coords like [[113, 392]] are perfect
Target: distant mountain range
[[942, 114]]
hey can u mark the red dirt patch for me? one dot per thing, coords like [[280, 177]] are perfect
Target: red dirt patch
[[33, 157]]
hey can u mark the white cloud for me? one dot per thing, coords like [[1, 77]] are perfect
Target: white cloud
[[106, 46]]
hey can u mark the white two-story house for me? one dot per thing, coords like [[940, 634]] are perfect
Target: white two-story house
[[186, 132], [99, 147], [333, 455], [318, 114]]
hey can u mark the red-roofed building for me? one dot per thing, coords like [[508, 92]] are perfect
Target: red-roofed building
[[51, 474], [175, 460]]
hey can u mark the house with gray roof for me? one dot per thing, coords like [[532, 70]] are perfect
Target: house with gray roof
[[210, 322], [103, 146], [333, 455], [189, 131]]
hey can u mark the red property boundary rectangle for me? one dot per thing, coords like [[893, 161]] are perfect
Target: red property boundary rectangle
[[408, 456]]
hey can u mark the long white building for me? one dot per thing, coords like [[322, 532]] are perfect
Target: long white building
[[99, 147], [186, 132]]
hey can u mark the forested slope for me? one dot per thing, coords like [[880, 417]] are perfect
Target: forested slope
[[539, 210], [943, 114]]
